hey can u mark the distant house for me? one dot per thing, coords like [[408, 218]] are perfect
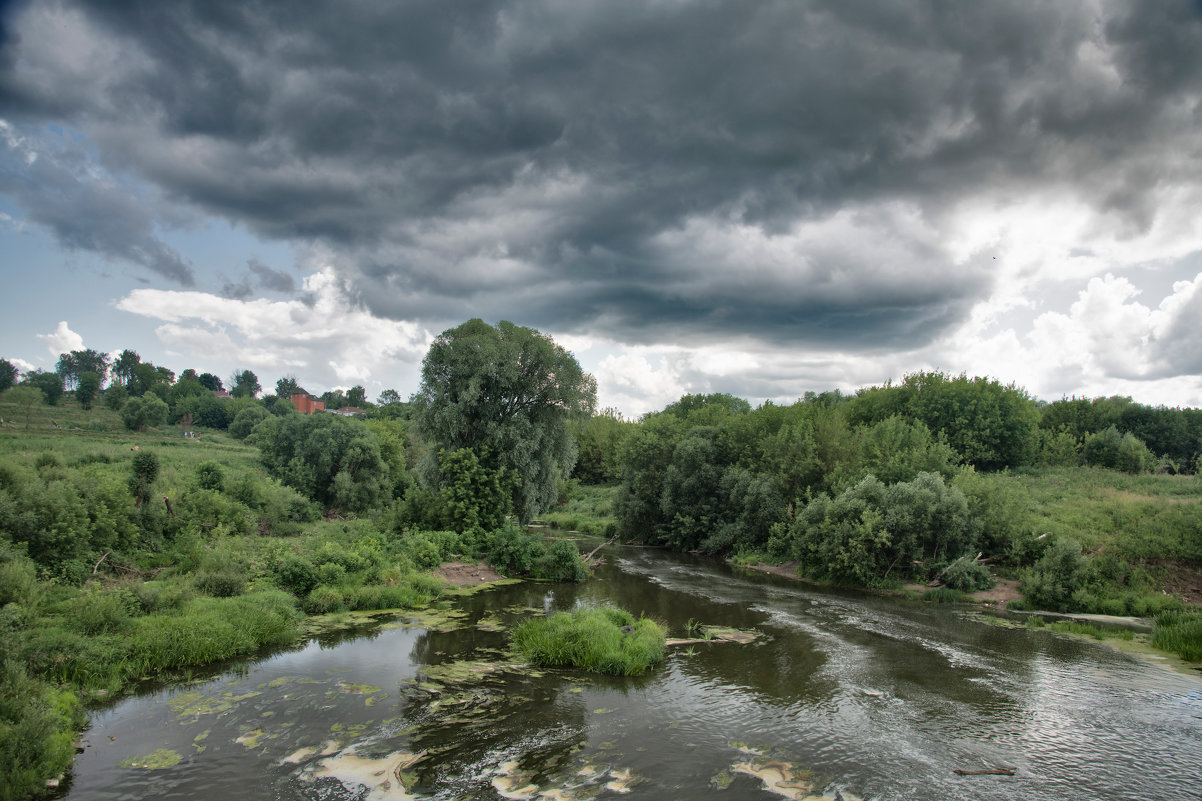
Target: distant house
[[349, 411], [307, 404], [220, 393]]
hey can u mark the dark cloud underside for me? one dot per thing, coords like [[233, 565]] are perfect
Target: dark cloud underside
[[540, 161]]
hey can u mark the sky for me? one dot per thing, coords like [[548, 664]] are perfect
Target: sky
[[761, 198]]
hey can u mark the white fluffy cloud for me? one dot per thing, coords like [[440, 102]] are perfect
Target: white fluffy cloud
[[62, 339], [324, 338]]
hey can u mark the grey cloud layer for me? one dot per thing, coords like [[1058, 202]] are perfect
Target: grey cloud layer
[[594, 166]]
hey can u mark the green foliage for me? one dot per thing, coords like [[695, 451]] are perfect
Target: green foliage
[[333, 460], [144, 469], [51, 385], [296, 574], [599, 443], [1180, 633], [87, 389], [210, 476], [323, 600], [8, 374], [148, 411], [604, 640], [968, 576], [509, 392], [37, 728], [1117, 451], [244, 384], [246, 420], [562, 563], [519, 553], [475, 497], [25, 398], [870, 531], [1054, 579], [896, 449], [115, 397]]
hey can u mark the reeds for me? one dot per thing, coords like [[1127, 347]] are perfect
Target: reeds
[[602, 640]]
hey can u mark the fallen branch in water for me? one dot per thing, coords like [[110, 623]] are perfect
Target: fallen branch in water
[[985, 772], [593, 552]]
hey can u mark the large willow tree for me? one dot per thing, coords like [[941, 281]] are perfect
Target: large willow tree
[[507, 393]]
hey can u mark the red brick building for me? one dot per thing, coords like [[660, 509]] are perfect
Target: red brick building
[[307, 404]]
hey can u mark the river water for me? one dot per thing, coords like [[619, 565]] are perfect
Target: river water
[[841, 695]]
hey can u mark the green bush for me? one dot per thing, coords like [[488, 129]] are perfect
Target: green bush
[[96, 611], [604, 640], [968, 576], [296, 574], [210, 476], [324, 599], [221, 583], [37, 727], [1057, 575], [562, 563]]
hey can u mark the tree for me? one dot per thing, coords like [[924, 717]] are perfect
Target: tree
[[356, 396], [25, 397], [74, 364], [138, 413], [388, 396], [287, 386], [210, 382], [508, 392], [8, 374], [51, 385], [334, 461], [87, 389], [123, 366], [245, 384]]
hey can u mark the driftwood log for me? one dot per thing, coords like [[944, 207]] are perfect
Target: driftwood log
[[985, 772]]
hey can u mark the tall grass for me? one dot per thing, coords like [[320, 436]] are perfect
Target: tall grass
[[603, 640], [1180, 633]]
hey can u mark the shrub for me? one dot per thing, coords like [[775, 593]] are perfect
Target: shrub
[[246, 420], [604, 640], [210, 476], [296, 574], [102, 611], [968, 576], [562, 563], [221, 583], [324, 599], [1057, 575]]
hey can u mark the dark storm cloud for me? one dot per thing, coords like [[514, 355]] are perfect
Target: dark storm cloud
[[83, 210], [538, 161], [275, 280]]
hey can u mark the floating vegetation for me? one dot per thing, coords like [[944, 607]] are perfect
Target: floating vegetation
[[490, 623], [159, 760], [440, 620], [717, 634], [193, 704], [385, 778], [301, 754], [251, 739], [778, 776], [516, 784]]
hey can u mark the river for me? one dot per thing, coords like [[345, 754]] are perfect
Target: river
[[842, 695]]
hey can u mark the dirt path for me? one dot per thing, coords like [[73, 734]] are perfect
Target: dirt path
[[461, 574]]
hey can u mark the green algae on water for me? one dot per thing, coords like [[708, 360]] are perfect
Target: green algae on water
[[159, 760]]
